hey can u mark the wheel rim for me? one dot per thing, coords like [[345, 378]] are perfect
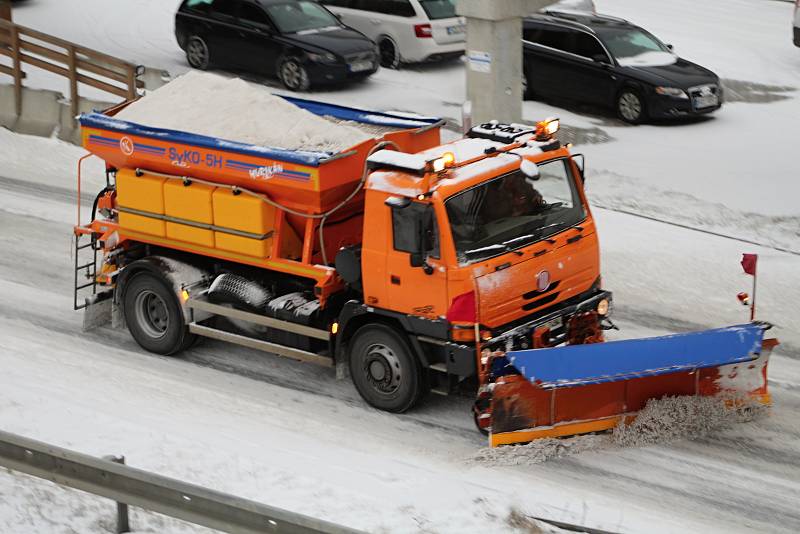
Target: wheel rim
[[382, 369], [387, 53], [197, 53], [152, 314], [630, 107], [293, 75]]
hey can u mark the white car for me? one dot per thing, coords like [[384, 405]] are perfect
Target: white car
[[797, 23], [407, 31]]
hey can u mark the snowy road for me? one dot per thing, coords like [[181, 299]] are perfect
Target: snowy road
[[289, 435]]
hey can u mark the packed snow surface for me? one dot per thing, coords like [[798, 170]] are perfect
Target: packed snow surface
[[230, 108]]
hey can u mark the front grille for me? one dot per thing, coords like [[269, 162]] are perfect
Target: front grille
[[540, 302], [535, 293]]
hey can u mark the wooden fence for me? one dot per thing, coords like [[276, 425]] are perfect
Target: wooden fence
[[78, 64]]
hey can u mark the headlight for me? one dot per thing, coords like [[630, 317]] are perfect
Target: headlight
[[327, 57], [672, 91]]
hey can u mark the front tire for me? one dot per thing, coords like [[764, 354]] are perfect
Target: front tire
[[197, 53], [385, 372], [293, 75], [154, 316], [630, 106]]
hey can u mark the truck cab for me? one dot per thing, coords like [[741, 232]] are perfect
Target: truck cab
[[486, 242]]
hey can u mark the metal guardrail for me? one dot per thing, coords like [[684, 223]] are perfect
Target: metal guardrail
[[75, 62], [153, 492]]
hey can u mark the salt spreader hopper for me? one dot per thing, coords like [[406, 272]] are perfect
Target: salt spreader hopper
[[411, 264]]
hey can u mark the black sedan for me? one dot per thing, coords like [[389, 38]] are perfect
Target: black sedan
[[298, 41], [607, 61]]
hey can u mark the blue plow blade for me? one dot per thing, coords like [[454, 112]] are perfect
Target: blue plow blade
[[614, 361]]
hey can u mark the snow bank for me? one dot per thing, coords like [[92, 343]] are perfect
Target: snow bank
[[209, 104]]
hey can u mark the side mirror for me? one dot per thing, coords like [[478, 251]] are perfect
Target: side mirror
[[669, 46], [600, 58], [417, 259]]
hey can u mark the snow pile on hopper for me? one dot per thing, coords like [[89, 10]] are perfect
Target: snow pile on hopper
[[211, 105]]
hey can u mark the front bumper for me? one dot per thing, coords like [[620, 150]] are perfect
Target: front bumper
[[327, 74], [516, 336], [660, 106]]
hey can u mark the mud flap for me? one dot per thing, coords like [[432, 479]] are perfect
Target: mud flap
[[578, 389], [97, 312]]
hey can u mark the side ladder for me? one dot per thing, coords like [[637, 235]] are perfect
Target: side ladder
[[85, 266]]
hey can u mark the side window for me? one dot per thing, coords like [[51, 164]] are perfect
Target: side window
[[226, 8], [588, 46], [532, 34], [412, 222], [339, 3], [253, 14], [399, 8], [557, 38]]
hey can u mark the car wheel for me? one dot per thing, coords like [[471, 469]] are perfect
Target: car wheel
[[390, 57], [385, 372], [197, 53], [630, 106], [154, 316], [293, 75]]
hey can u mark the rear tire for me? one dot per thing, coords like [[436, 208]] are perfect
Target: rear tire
[[197, 53], [384, 370], [390, 57], [154, 316]]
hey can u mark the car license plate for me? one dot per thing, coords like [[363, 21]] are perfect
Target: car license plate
[[706, 101], [454, 30], [554, 324], [360, 66]]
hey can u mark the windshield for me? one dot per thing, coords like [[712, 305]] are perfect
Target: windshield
[[513, 211], [300, 16], [439, 9], [625, 43]]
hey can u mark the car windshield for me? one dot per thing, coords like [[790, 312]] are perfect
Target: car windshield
[[513, 211], [625, 43], [439, 9], [294, 17]]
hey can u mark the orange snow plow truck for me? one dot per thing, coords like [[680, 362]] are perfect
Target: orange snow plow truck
[[409, 264]]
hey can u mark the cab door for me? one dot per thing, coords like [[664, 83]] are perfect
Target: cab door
[[415, 290]]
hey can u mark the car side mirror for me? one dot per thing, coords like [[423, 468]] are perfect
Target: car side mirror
[[417, 259], [600, 58], [670, 46]]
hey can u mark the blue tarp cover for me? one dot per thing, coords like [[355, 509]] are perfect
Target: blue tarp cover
[[622, 360]]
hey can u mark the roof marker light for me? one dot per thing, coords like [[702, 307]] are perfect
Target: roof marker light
[[547, 128]]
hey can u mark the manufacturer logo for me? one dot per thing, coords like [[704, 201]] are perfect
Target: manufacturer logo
[[126, 145], [266, 172], [543, 281]]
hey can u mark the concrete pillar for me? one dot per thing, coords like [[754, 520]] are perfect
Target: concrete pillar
[[494, 56], [5, 9]]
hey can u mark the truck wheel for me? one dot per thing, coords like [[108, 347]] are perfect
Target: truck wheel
[[385, 372], [197, 53], [154, 316]]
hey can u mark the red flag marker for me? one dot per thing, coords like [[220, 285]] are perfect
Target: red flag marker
[[749, 262]]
